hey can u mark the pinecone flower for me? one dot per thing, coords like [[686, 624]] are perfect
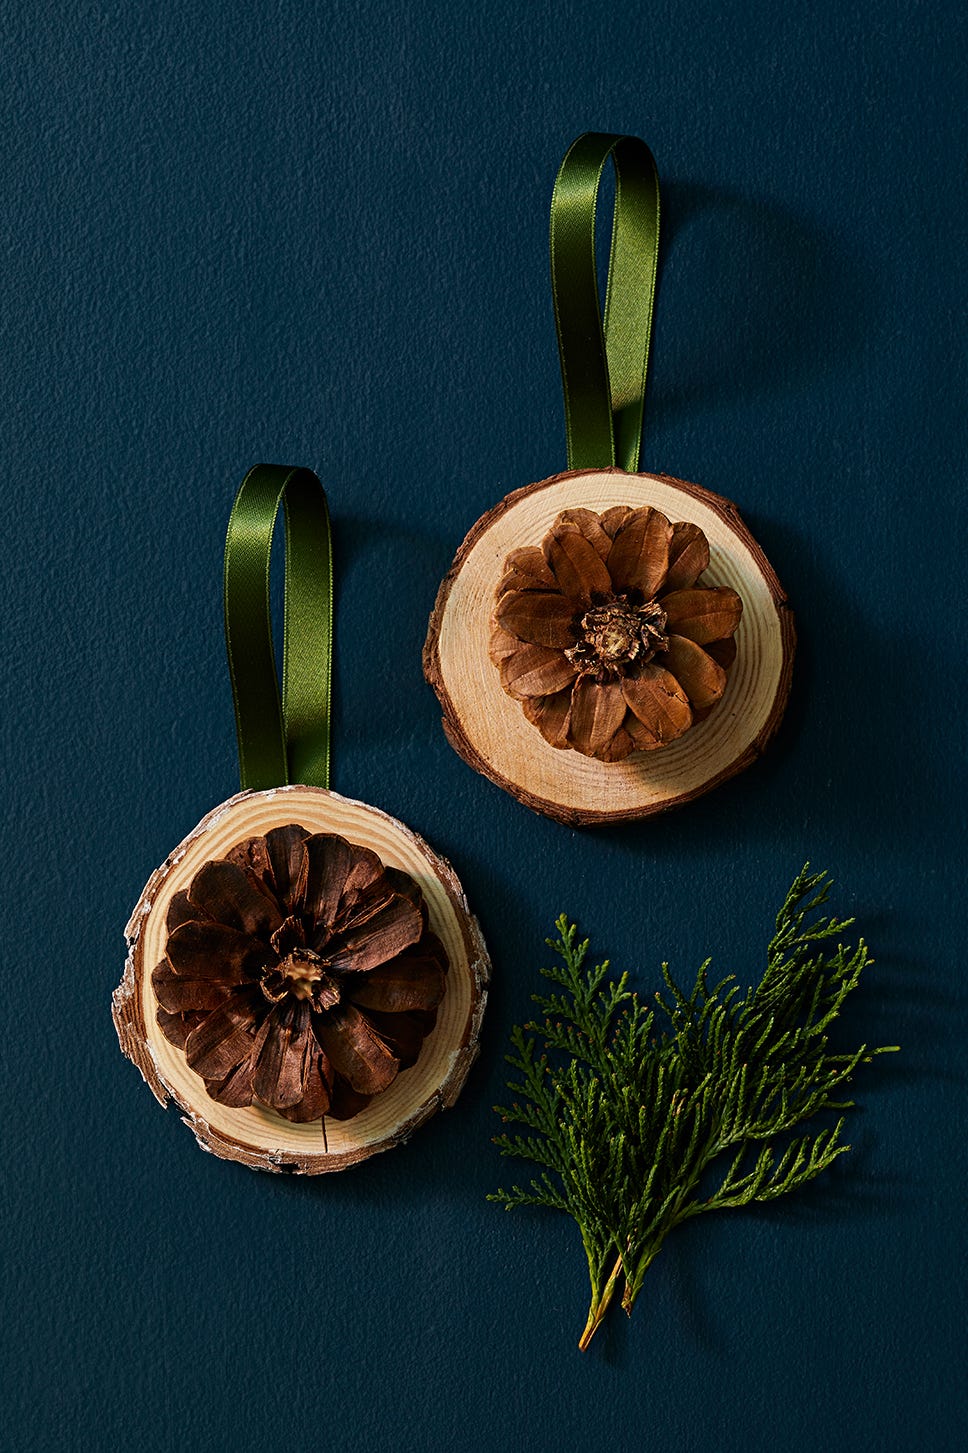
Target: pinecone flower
[[299, 971], [605, 635]]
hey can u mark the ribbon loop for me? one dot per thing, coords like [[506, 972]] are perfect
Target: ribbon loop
[[604, 365], [282, 737]]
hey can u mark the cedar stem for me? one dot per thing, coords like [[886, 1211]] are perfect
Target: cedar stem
[[599, 1306]]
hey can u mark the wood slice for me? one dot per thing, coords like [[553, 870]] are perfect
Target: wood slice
[[257, 1136], [488, 728]]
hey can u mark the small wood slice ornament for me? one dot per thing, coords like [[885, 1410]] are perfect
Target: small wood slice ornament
[[304, 977], [609, 644]]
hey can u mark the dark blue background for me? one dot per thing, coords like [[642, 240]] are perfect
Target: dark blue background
[[317, 235]]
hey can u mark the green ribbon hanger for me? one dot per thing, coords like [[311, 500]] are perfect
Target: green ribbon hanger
[[604, 365], [282, 738]]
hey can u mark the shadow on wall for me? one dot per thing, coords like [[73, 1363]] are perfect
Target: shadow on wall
[[753, 301]]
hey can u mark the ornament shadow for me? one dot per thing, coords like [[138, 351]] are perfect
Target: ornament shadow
[[386, 581], [754, 301]]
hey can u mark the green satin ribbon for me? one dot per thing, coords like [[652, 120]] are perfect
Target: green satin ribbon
[[281, 738], [604, 366]]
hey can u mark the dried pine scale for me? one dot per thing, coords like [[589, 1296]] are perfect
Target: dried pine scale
[[609, 645], [304, 980]]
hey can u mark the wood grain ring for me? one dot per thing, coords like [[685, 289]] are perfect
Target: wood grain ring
[[488, 728], [257, 1136]]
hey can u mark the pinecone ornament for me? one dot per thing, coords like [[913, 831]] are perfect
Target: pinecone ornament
[[299, 972], [606, 636]]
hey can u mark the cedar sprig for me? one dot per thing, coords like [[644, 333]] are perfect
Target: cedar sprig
[[641, 1117]]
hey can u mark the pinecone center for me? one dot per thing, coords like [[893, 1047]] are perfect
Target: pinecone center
[[618, 633], [299, 972], [307, 979]]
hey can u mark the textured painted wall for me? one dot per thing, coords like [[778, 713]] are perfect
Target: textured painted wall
[[317, 235]]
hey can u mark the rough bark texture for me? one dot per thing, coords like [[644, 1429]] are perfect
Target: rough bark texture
[[256, 1136], [487, 728]]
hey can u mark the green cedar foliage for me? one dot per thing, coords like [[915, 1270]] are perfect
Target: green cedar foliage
[[642, 1117]]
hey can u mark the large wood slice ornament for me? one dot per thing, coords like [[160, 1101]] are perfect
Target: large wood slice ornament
[[608, 644], [304, 977]]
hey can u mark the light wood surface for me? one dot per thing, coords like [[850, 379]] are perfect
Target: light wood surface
[[488, 728], [257, 1136]]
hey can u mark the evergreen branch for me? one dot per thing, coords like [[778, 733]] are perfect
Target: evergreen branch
[[629, 1125]]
